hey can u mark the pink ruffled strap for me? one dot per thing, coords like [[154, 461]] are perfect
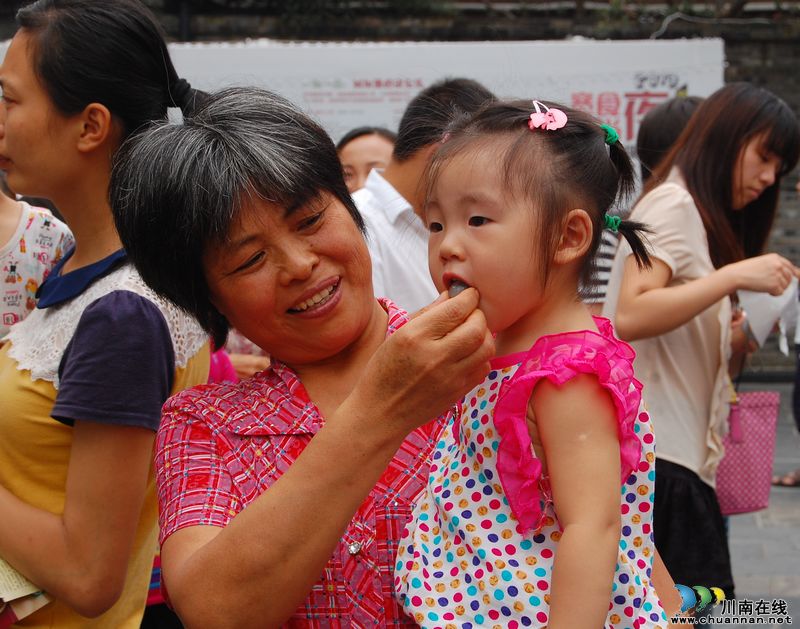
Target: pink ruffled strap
[[559, 358]]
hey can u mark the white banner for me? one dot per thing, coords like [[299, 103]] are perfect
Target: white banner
[[345, 85]]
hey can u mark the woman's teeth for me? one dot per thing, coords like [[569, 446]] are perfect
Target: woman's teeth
[[314, 300], [456, 287]]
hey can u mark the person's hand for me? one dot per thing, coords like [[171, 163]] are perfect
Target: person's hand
[[742, 345], [246, 365], [741, 342], [428, 364], [768, 273]]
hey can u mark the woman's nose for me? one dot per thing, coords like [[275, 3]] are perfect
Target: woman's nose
[[769, 174], [298, 263]]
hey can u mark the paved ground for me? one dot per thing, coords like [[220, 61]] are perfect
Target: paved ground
[[766, 545]]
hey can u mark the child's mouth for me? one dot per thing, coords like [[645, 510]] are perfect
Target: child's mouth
[[456, 286]]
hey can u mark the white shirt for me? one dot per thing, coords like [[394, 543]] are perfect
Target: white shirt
[[684, 371], [398, 245]]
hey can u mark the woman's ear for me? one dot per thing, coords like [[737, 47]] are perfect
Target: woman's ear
[[576, 237], [97, 126]]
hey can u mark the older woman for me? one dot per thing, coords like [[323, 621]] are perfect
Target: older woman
[[282, 497]]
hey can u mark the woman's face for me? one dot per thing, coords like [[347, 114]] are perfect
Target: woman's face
[[361, 155], [755, 171], [33, 133], [297, 284]]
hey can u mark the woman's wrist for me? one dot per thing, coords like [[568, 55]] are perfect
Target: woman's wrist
[[729, 278], [368, 424]]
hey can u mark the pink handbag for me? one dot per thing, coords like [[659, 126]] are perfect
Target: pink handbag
[[745, 472]]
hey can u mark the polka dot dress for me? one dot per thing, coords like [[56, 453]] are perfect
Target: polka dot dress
[[464, 560]]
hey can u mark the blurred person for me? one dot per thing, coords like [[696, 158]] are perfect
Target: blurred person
[[32, 241], [246, 357], [391, 201], [362, 149], [659, 129], [283, 496], [710, 204], [84, 375], [792, 478]]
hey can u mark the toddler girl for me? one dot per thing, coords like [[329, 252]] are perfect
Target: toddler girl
[[538, 508]]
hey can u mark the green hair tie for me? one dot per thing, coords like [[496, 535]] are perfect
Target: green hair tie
[[612, 137], [611, 222]]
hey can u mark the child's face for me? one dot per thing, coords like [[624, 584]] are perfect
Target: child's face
[[483, 238]]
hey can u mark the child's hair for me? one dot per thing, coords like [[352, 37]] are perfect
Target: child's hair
[[581, 165], [106, 51]]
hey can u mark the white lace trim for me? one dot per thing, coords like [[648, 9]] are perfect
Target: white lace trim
[[39, 340]]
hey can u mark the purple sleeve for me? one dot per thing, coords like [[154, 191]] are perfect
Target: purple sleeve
[[119, 366]]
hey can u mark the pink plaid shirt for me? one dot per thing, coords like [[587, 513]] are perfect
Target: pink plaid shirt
[[221, 446]]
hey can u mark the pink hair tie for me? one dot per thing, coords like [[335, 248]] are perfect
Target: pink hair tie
[[546, 118]]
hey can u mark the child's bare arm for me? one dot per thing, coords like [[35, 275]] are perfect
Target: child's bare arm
[[665, 587], [578, 428]]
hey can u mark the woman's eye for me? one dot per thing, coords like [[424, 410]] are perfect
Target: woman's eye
[[310, 221], [477, 221], [434, 227], [251, 262]]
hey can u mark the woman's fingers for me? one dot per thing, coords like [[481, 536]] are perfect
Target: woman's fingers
[[429, 363], [445, 315], [442, 297], [768, 273]]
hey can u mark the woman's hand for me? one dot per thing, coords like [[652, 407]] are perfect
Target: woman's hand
[[768, 273], [428, 364]]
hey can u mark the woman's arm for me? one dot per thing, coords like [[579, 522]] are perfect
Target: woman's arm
[[648, 307], [578, 428], [260, 567], [81, 556]]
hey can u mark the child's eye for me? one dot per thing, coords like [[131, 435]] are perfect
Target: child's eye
[[435, 227], [477, 221], [250, 262]]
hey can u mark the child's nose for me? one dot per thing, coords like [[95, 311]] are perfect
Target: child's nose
[[450, 246]]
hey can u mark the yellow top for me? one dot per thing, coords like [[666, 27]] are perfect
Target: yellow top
[[35, 451]]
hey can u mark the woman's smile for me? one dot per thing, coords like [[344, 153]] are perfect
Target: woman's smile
[[321, 301]]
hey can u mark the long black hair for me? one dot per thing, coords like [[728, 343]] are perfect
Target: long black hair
[[110, 52]]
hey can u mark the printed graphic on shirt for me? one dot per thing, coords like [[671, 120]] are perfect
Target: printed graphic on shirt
[[26, 260]]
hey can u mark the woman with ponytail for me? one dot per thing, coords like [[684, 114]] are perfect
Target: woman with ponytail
[[710, 205], [83, 378]]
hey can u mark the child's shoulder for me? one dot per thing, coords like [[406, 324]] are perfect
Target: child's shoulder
[[596, 348], [561, 357]]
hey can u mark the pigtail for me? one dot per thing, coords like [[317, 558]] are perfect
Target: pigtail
[[632, 231]]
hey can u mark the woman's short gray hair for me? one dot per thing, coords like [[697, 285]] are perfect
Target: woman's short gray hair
[[177, 188]]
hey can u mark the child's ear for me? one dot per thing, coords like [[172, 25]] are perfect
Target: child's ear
[[576, 237]]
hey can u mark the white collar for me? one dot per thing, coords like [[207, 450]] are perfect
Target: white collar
[[392, 202]]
